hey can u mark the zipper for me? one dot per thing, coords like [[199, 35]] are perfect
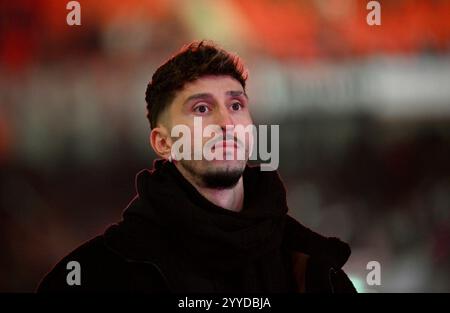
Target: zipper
[[331, 272], [164, 277], [166, 281]]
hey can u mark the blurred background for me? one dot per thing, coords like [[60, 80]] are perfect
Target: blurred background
[[364, 115]]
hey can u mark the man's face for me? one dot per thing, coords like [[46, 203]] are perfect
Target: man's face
[[221, 101]]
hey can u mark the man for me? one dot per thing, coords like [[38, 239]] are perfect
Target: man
[[202, 225]]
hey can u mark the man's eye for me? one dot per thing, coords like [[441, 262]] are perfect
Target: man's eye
[[201, 109], [236, 106]]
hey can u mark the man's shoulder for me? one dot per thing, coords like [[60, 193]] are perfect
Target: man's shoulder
[[91, 265], [317, 260], [108, 262]]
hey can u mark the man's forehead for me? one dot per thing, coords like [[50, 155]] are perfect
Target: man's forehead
[[221, 85]]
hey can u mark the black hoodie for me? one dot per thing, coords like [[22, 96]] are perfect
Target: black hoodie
[[173, 239]]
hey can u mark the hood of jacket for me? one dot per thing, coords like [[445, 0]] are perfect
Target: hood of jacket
[[169, 220]]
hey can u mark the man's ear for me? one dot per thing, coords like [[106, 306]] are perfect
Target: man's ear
[[161, 141]]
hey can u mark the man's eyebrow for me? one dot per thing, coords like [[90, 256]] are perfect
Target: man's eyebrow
[[205, 95], [236, 93], [196, 96]]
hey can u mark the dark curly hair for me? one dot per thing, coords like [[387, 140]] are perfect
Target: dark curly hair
[[197, 59]]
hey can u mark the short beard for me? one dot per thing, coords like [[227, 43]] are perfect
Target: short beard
[[222, 180], [216, 178]]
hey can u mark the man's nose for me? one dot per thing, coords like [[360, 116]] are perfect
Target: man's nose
[[223, 118]]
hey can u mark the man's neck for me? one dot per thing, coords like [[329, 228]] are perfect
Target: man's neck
[[231, 198]]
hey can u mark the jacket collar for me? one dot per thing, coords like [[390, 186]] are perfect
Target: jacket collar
[[131, 240]]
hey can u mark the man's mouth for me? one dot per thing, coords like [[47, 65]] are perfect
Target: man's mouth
[[226, 144]]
